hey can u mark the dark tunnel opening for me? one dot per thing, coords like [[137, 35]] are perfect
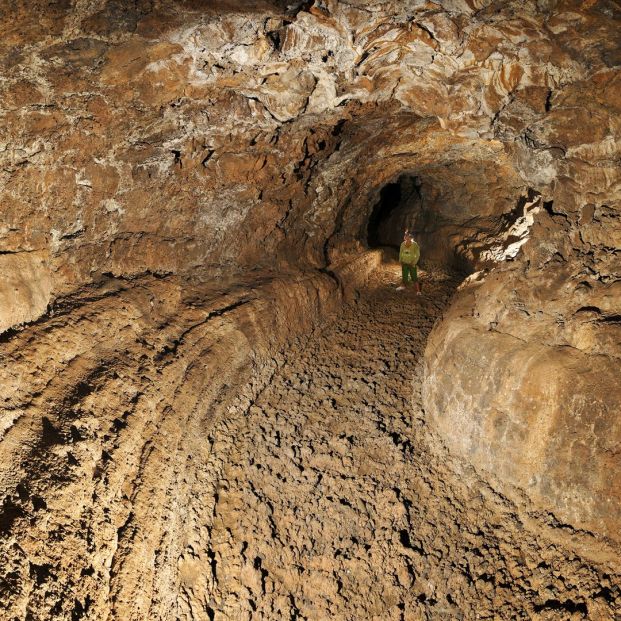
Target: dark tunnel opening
[[390, 197], [399, 208]]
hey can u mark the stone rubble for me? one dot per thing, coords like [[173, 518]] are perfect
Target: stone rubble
[[186, 187], [336, 501]]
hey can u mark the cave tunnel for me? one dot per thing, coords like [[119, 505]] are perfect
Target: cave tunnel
[[216, 402], [455, 222], [398, 209]]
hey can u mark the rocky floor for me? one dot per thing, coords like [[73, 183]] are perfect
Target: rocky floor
[[334, 501]]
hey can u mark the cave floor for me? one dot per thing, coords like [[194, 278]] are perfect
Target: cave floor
[[335, 501]]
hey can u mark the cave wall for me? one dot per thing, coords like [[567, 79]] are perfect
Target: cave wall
[[117, 413], [523, 373], [164, 137], [528, 389]]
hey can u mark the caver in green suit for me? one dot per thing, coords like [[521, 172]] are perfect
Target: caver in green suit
[[409, 254]]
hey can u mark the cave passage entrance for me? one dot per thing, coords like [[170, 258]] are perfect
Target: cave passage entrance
[[398, 208]]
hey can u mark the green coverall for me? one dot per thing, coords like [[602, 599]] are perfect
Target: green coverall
[[408, 257]]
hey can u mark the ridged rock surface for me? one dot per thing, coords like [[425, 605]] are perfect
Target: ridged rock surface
[[187, 186]]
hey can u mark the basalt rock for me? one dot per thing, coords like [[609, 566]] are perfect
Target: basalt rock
[[186, 185]]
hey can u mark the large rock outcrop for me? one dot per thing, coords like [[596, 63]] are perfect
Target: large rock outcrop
[[523, 374]]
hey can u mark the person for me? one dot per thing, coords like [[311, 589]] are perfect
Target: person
[[409, 254]]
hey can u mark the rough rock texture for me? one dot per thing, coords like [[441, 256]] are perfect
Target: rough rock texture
[[186, 184], [104, 435], [335, 502], [523, 374], [165, 137], [322, 496]]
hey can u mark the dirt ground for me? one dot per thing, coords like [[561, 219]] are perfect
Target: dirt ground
[[335, 500]]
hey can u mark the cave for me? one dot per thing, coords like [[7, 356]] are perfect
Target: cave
[[218, 402], [388, 204], [398, 209]]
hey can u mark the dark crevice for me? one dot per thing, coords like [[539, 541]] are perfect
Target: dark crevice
[[213, 563], [588, 309], [390, 197], [427, 30], [50, 435], [208, 157], [8, 514], [549, 207], [275, 38], [40, 573], [295, 612], [548, 104], [611, 319], [606, 594], [568, 606], [337, 130], [80, 609], [73, 235], [177, 156], [38, 503], [4, 252], [258, 565]]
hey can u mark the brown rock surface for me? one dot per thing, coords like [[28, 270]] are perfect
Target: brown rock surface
[[186, 186], [335, 502], [103, 422]]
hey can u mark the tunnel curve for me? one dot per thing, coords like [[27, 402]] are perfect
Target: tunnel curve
[[188, 192]]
